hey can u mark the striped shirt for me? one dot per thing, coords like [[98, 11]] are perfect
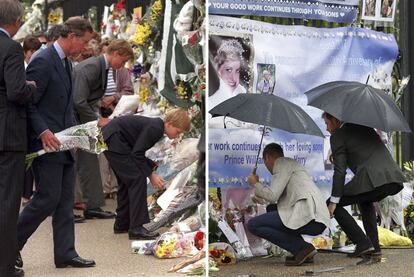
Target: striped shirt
[[110, 86]]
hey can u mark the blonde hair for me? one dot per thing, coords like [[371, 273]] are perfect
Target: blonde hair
[[122, 47], [178, 118]]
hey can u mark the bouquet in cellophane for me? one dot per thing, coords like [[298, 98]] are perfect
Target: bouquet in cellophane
[[173, 245], [87, 137]]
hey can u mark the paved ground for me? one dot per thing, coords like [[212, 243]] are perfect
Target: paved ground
[[395, 262], [94, 239]]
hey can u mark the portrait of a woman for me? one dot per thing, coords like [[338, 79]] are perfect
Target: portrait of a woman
[[228, 61]]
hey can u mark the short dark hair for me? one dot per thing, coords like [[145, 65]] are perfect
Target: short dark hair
[[54, 32], [77, 25], [273, 149], [328, 116], [31, 43]]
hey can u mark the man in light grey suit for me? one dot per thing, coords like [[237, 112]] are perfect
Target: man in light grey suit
[[300, 207], [376, 176], [90, 81]]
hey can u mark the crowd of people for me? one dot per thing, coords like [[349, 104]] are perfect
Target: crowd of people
[[56, 80]]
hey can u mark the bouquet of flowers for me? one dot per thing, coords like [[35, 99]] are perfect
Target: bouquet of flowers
[[222, 253], [173, 245], [87, 137]]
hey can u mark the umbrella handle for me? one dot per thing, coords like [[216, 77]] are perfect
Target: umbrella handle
[[254, 170]]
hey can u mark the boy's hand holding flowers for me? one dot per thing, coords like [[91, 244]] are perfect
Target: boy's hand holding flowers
[[156, 181]]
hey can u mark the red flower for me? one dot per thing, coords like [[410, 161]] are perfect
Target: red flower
[[120, 5], [199, 240], [193, 38], [214, 253]]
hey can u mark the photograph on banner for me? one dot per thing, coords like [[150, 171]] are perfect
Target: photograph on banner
[[266, 79], [305, 57], [379, 10], [229, 73]]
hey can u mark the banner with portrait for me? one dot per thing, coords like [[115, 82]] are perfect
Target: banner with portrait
[[341, 11], [291, 59]]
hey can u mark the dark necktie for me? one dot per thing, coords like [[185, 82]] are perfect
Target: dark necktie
[[67, 67]]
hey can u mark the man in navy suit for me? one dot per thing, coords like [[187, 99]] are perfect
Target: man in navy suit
[[52, 112], [14, 95]]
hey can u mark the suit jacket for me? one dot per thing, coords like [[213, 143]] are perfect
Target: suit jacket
[[53, 102], [134, 135], [14, 95], [298, 199], [89, 87], [361, 149]]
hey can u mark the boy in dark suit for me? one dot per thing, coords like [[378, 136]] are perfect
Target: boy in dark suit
[[128, 138]]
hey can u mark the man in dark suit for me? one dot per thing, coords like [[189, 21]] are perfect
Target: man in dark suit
[[52, 112], [15, 93], [90, 79], [376, 175], [128, 138]]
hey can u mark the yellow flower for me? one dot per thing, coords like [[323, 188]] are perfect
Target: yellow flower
[[412, 214], [142, 33], [181, 90], [143, 95], [156, 10], [54, 18], [160, 252]]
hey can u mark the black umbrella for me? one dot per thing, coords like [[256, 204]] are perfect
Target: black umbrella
[[267, 110], [358, 103]]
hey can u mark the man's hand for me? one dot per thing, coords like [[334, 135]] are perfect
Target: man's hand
[[156, 181], [107, 101], [103, 121], [49, 141], [331, 208], [33, 83], [252, 179]]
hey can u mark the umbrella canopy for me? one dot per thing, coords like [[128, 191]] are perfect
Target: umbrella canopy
[[268, 110], [358, 103]]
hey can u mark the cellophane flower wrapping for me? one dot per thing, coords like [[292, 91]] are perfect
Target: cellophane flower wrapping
[[174, 245], [87, 137], [171, 159], [222, 253]]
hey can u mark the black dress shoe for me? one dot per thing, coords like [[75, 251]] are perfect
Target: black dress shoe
[[77, 262], [19, 260], [97, 213], [141, 233], [360, 250], [17, 272], [119, 230]]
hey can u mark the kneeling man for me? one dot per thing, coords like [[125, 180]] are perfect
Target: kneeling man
[[300, 207]]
